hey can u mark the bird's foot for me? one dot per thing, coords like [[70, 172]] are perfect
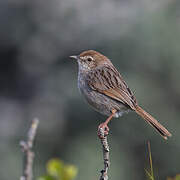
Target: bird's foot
[[105, 129]]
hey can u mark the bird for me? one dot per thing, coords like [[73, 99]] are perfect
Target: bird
[[105, 90]]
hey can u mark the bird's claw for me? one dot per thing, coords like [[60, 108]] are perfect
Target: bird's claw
[[105, 129]]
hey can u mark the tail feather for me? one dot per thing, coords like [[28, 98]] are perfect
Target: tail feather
[[153, 122]]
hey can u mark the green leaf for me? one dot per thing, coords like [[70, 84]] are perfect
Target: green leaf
[[45, 178], [150, 173], [177, 177], [55, 168], [150, 177], [150, 159], [70, 172]]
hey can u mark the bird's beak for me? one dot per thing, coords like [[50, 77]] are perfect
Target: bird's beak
[[74, 57]]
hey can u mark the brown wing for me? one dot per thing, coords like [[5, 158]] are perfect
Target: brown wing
[[107, 80]]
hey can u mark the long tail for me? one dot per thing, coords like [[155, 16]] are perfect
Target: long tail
[[153, 122]]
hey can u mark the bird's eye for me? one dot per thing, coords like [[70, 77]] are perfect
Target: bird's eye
[[89, 59]]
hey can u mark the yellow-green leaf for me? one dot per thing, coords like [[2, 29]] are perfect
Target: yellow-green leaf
[[150, 177], [177, 177], [45, 178], [55, 168], [70, 172]]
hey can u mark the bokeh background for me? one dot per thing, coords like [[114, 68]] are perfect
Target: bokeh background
[[37, 79]]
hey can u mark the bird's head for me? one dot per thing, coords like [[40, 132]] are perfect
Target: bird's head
[[89, 60]]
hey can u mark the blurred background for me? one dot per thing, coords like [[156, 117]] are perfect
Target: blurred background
[[37, 79]]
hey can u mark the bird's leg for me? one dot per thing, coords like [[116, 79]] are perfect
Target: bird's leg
[[104, 125]]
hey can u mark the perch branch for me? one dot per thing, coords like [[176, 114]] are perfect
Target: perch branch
[[28, 153], [105, 147]]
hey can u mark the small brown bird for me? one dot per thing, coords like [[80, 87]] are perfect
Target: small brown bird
[[106, 91]]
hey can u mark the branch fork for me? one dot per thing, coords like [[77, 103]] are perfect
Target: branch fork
[[26, 147]]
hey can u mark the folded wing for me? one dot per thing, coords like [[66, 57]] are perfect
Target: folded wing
[[108, 81]]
